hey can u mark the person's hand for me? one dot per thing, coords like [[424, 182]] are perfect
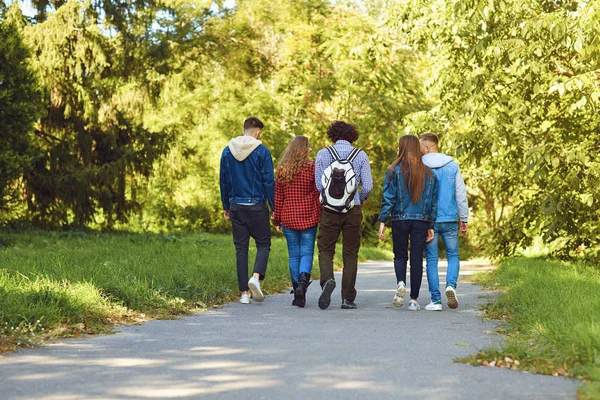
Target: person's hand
[[226, 214], [430, 235], [463, 226], [381, 230], [279, 229]]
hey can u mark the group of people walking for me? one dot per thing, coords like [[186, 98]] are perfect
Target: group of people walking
[[424, 195]]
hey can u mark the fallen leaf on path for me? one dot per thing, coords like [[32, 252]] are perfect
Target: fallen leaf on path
[[561, 371], [463, 344]]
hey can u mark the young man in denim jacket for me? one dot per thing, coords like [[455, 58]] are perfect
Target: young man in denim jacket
[[452, 217], [247, 182]]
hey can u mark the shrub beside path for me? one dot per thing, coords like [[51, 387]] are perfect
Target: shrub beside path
[[274, 350]]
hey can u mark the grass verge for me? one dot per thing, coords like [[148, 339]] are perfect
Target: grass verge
[[552, 320], [66, 284]]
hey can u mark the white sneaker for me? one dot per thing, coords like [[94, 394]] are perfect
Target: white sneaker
[[254, 286], [399, 296], [437, 306], [451, 296], [413, 305], [245, 299]]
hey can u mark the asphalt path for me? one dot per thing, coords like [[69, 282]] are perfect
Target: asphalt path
[[274, 350]]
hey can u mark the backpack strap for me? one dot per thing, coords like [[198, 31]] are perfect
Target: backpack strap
[[353, 154], [334, 153]]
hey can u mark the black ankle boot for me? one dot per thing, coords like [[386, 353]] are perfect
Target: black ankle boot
[[300, 292], [295, 286]]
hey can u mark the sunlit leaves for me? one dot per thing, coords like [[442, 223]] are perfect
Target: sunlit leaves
[[522, 79]]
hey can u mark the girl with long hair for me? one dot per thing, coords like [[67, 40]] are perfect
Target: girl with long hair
[[409, 196], [297, 210]]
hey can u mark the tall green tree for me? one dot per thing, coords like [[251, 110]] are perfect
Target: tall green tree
[[20, 106], [101, 68]]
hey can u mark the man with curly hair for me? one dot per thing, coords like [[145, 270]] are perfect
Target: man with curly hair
[[347, 222]]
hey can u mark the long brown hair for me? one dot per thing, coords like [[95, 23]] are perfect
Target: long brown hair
[[411, 165], [294, 157]]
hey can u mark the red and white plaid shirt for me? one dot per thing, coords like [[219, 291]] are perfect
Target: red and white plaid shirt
[[297, 204]]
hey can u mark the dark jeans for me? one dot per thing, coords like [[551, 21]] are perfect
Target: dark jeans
[[330, 227], [250, 221], [417, 231]]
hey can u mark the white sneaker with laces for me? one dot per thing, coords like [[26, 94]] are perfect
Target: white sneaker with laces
[[437, 306], [245, 299], [254, 286], [413, 305], [399, 296], [451, 296]]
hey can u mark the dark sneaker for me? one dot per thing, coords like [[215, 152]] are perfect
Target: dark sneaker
[[349, 305], [300, 294], [325, 298]]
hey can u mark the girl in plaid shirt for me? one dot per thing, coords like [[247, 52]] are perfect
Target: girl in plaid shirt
[[297, 210]]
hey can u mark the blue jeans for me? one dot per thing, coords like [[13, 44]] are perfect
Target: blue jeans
[[301, 248], [449, 233]]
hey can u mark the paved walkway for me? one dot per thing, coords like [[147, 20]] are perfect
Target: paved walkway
[[273, 350]]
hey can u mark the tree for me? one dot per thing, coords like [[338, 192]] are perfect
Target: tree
[[518, 97], [296, 65], [100, 71], [20, 100]]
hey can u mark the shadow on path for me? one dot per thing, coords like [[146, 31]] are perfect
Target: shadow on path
[[274, 350]]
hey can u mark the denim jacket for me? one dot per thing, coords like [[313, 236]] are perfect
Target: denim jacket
[[397, 201], [452, 193], [246, 175]]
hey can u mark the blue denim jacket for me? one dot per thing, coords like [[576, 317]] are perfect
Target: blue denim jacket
[[397, 201], [251, 180], [452, 193]]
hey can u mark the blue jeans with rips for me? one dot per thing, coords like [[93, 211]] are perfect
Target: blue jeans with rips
[[301, 248], [448, 231]]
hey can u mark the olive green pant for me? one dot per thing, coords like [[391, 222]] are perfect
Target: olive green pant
[[330, 227]]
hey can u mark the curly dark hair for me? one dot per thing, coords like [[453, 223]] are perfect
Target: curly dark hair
[[340, 130]]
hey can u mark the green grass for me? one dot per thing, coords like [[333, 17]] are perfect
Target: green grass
[[61, 284], [552, 314]]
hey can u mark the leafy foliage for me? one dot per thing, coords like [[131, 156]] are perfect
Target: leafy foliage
[[139, 100], [298, 66], [518, 89]]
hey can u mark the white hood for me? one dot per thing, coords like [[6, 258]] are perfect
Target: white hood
[[242, 146], [436, 160]]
